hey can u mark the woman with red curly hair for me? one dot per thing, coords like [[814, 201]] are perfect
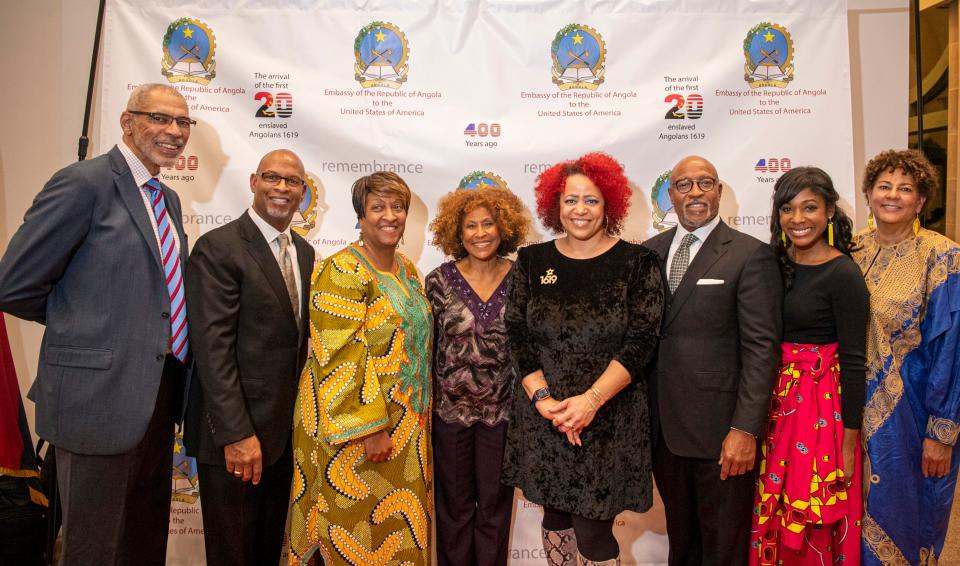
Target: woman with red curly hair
[[583, 315]]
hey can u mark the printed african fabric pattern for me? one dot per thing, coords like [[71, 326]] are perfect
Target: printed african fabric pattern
[[368, 370], [913, 392], [803, 512]]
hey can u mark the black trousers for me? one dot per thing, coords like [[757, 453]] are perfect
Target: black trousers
[[708, 519], [243, 523], [116, 509], [473, 507]]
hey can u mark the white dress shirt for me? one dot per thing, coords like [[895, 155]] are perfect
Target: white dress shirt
[[140, 176], [270, 235]]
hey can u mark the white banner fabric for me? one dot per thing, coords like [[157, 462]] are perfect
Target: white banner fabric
[[462, 93]]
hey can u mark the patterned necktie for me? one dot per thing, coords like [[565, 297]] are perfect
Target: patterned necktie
[[171, 271], [681, 259], [286, 267]]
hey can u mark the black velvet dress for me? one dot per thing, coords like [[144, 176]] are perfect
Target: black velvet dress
[[570, 318]]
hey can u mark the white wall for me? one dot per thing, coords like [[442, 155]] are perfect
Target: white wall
[[45, 48], [879, 76]]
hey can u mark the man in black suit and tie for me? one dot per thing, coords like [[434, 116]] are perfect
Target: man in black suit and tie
[[249, 281], [716, 364], [99, 261]]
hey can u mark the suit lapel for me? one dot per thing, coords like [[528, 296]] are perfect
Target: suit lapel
[[130, 195], [261, 253], [711, 251], [661, 245]]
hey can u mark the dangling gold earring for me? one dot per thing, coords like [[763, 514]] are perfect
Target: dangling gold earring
[[783, 237], [830, 233], [916, 225], [870, 223]]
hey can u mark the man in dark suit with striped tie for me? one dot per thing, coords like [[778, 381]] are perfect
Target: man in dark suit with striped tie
[[247, 285], [99, 261], [716, 364]]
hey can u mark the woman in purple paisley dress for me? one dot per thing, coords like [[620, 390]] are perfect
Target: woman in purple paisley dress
[[472, 372]]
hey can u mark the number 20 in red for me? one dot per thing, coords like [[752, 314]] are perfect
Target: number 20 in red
[[278, 105], [694, 104]]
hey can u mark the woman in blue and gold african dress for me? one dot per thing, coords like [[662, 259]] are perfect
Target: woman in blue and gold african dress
[[910, 421], [361, 441]]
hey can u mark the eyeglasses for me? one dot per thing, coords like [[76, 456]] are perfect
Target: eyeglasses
[[272, 178], [706, 184], [160, 119]]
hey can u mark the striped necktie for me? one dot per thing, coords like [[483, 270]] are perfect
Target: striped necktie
[[289, 280], [171, 272]]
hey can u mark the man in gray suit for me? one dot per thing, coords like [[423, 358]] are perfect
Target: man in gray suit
[[716, 364], [99, 261]]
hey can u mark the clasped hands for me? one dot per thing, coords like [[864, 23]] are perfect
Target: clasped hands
[[569, 416]]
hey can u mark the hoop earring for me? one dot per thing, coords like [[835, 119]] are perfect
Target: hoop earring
[[830, 233]]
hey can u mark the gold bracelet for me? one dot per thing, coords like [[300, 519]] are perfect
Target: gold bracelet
[[593, 405], [598, 397]]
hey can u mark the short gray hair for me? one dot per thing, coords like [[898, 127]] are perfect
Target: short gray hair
[[139, 95]]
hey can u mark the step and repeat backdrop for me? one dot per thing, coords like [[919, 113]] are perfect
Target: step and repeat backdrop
[[458, 95]]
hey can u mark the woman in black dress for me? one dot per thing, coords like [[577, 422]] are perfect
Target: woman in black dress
[[583, 315]]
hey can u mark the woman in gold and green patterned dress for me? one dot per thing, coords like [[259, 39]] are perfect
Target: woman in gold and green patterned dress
[[361, 439]]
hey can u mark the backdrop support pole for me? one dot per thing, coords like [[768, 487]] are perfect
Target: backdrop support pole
[[919, 72], [84, 139]]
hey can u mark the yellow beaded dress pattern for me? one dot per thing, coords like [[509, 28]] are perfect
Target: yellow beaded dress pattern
[[371, 336]]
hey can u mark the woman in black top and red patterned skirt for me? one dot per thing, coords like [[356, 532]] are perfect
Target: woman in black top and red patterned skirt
[[808, 503]]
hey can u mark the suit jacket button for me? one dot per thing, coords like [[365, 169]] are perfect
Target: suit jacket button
[[164, 315], [159, 357]]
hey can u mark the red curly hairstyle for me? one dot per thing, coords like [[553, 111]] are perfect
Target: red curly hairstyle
[[605, 172]]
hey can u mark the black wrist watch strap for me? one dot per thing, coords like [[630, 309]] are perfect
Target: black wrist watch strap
[[539, 394]]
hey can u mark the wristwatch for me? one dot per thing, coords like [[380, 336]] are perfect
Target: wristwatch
[[540, 394]]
